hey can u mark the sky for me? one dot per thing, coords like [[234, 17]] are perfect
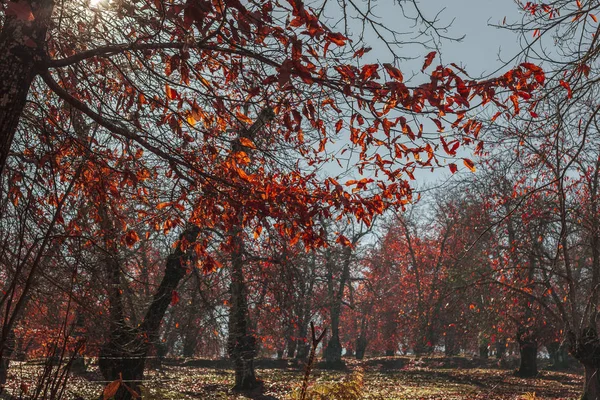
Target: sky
[[483, 43], [483, 50]]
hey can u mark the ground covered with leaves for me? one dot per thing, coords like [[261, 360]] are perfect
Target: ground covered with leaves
[[384, 378]]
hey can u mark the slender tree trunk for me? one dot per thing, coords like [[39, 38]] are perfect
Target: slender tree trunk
[[559, 357], [500, 348], [291, 347], [333, 351], [241, 345], [483, 350], [361, 347], [451, 347]]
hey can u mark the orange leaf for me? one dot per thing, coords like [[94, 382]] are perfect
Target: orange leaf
[[247, 143], [171, 93], [111, 389], [257, 231], [160, 206], [592, 16], [469, 164], [131, 238], [244, 118]]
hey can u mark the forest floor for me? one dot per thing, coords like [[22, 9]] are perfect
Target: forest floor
[[384, 378]]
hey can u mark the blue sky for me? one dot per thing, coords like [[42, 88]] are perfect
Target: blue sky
[[483, 50]]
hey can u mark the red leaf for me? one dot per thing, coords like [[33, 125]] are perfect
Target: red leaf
[[337, 38], [428, 60], [245, 119], [568, 87], [171, 93], [20, 10], [174, 298], [453, 168], [394, 72], [369, 70], [111, 389]]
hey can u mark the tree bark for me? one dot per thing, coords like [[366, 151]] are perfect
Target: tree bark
[[124, 354], [500, 348], [241, 345], [451, 347], [333, 351], [22, 50], [7, 352], [585, 347], [559, 357], [291, 347], [361, 347], [591, 385], [528, 364]]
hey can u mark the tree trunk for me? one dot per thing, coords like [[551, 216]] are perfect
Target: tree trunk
[[123, 356], [189, 344], [500, 348], [591, 384], [451, 347], [483, 351], [7, 352], [291, 347], [125, 352], [361, 347], [22, 42], [559, 357], [528, 364], [241, 345], [302, 344], [303, 348], [586, 349], [333, 351]]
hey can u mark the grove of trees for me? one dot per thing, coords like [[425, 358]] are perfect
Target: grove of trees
[[206, 178]]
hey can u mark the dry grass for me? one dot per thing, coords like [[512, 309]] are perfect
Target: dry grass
[[428, 380]]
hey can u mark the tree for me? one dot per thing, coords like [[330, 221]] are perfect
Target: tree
[[172, 105]]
